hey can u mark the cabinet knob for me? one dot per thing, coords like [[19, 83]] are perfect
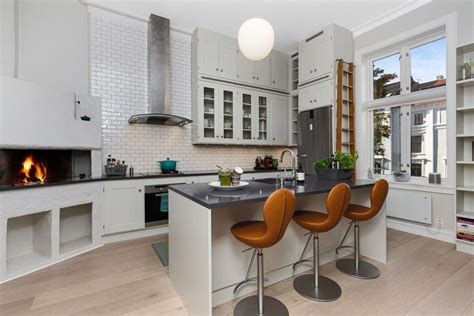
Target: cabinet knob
[[310, 101], [253, 77], [315, 100], [310, 71], [139, 190], [273, 81], [273, 138], [222, 70], [217, 69], [257, 78], [315, 70]]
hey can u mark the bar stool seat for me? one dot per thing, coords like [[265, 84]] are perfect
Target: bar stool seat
[[250, 233], [277, 213], [357, 212], [311, 220]]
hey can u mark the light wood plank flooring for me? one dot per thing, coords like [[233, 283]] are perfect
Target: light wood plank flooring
[[422, 277]]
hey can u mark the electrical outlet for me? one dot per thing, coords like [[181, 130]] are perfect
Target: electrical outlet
[[439, 222]]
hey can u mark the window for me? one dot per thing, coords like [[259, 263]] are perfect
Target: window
[[428, 65], [417, 66], [416, 144], [386, 76], [387, 140], [416, 170], [400, 143], [418, 119]]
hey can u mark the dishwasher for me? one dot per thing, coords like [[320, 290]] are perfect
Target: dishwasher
[[156, 205]]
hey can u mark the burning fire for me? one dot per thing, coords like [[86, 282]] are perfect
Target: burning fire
[[32, 171]]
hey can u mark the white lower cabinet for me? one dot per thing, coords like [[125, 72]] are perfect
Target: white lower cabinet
[[124, 206]]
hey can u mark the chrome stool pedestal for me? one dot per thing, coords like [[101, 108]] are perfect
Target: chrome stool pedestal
[[260, 304], [314, 286], [354, 266]]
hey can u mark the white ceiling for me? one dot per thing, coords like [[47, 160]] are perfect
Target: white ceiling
[[291, 20]]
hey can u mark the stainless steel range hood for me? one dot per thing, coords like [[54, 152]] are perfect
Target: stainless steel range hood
[[159, 76]]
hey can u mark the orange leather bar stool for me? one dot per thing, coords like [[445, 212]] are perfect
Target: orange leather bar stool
[[358, 213], [314, 286], [277, 213]]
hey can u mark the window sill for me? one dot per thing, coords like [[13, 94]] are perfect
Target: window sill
[[419, 185]]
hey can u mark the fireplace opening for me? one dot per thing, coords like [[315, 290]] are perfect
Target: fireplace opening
[[40, 166]]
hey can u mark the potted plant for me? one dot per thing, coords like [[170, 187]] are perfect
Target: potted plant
[[339, 167]]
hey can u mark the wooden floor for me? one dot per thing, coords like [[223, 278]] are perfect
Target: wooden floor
[[422, 277]]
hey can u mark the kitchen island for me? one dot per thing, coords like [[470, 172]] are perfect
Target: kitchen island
[[206, 261]]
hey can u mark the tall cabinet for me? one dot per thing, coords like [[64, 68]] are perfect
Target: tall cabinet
[[465, 150]]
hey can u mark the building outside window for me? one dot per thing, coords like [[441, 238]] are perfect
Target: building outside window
[[418, 119]]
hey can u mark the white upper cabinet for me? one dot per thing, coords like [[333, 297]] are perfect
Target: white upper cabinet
[[318, 53], [316, 95], [207, 53], [279, 67], [228, 58], [279, 119], [218, 56]]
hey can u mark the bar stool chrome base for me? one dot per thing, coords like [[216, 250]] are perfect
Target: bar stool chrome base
[[365, 271], [271, 306], [327, 289]]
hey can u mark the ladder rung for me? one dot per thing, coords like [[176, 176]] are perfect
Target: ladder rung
[[346, 86], [347, 115], [348, 72], [347, 129], [348, 101], [347, 144]]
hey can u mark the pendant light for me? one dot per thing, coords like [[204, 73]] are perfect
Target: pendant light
[[256, 38]]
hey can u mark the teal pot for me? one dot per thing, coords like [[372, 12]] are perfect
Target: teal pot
[[168, 165]]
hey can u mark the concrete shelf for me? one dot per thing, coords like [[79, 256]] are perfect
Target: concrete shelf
[[75, 227]]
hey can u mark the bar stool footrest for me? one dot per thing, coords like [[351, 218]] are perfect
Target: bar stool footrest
[[327, 290], [271, 306], [365, 271], [244, 282]]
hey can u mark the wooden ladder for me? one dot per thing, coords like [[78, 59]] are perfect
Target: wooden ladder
[[345, 132]]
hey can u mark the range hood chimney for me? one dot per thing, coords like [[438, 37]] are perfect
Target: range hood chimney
[[159, 76]]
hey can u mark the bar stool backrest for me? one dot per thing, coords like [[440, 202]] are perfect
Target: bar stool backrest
[[378, 195], [336, 203], [277, 213]]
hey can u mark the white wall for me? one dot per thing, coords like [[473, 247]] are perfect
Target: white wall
[[7, 36], [53, 44], [119, 76]]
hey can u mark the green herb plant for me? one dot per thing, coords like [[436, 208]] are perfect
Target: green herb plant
[[346, 161]]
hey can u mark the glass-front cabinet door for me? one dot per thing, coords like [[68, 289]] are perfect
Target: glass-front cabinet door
[[209, 99], [248, 108], [228, 118], [262, 118]]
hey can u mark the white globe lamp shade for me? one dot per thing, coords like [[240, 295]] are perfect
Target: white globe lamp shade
[[256, 38]]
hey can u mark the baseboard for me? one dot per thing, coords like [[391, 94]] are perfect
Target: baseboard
[[421, 230], [135, 234]]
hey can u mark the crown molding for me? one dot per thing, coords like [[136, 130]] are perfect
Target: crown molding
[[388, 16]]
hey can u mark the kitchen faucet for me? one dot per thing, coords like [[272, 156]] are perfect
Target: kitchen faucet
[[293, 161]]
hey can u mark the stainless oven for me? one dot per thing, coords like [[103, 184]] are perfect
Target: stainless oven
[[156, 205]]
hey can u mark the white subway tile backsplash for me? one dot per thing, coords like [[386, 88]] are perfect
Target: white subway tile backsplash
[[118, 61]]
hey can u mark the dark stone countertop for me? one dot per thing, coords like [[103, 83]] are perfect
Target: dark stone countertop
[[137, 176], [257, 191]]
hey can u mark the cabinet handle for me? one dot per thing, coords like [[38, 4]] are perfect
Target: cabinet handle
[[222, 70], [139, 190], [310, 71], [217, 69], [273, 81], [310, 101], [257, 78], [253, 77], [315, 100], [273, 138], [315, 70]]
